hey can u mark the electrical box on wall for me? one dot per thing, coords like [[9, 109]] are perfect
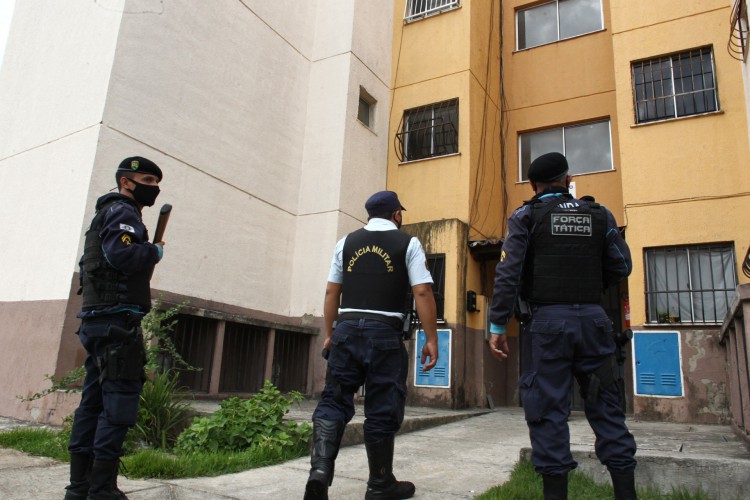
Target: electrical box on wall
[[657, 364], [440, 375]]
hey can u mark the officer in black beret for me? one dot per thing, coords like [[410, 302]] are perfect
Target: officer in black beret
[[372, 271], [115, 273], [558, 256]]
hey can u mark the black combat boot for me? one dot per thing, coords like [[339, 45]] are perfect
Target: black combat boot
[[78, 489], [103, 481], [326, 436], [555, 487], [623, 482], [382, 484]]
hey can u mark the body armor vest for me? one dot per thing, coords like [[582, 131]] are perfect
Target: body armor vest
[[102, 284], [375, 273], [564, 258]]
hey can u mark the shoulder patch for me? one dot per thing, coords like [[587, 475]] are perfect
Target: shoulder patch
[[126, 239], [127, 228]]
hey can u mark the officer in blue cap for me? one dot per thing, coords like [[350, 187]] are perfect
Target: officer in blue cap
[[115, 273], [372, 271], [558, 256]]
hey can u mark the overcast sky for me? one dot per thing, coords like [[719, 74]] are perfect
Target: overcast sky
[[6, 12]]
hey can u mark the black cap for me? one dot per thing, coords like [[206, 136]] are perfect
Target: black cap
[[548, 167], [137, 164], [383, 202]]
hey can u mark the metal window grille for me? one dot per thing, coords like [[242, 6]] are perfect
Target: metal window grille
[[436, 265], [737, 44], [428, 131], [243, 361], [417, 9], [195, 339], [682, 84], [290, 356], [691, 284]]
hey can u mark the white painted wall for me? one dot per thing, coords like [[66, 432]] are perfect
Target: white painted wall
[[344, 162], [250, 108], [53, 86]]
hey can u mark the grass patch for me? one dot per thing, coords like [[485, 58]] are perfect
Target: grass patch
[[149, 463], [39, 442], [526, 484], [159, 464]]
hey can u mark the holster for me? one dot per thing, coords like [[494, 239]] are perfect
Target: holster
[[522, 311], [125, 358]]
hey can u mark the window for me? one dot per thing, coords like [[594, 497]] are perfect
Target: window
[[737, 44], [557, 20], [587, 147], [428, 131], [678, 85], [366, 109], [690, 284], [418, 9], [436, 265]]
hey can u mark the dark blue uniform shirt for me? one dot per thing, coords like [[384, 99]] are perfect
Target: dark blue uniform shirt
[[125, 244], [509, 271]]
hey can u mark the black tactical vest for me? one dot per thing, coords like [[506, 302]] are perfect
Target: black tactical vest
[[375, 273], [564, 257], [102, 284]]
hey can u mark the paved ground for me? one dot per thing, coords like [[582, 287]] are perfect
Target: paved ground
[[455, 460]]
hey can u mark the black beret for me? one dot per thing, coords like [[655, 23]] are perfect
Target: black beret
[[548, 167], [383, 202], [137, 164]]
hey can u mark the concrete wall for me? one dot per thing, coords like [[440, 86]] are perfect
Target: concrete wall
[[665, 203], [735, 339], [52, 107], [250, 108]]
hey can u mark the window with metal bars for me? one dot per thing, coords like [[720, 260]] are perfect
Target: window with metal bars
[[678, 85], [689, 284], [418, 9], [428, 131]]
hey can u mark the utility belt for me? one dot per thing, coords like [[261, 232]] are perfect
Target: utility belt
[[393, 321]]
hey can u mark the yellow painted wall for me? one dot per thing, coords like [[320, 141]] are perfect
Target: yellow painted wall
[[557, 84], [684, 181]]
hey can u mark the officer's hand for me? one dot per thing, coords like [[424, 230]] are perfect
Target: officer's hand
[[430, 350], [499, 346]]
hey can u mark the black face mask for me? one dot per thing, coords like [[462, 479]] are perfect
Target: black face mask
[[144, 194]]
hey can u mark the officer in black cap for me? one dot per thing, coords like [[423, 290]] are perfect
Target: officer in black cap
[[115, 273], [559, 255], [368, 283]]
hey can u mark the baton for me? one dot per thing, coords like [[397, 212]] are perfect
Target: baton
[[161, 225]]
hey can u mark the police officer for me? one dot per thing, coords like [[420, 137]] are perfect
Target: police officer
[[368, 284], [115, 272], [558, 256]]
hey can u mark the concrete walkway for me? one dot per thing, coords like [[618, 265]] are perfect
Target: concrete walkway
[[448, 455]]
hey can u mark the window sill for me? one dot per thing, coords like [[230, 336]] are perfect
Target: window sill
[[679, 118], [559, 41], [367, 127], [409, 162]]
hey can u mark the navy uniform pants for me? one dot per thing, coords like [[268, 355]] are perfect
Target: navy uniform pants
[[370, 353], [108, 408], [561, 341]]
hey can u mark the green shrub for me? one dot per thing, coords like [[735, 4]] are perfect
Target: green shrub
[[39, 442], [242, 424], [162, 413]]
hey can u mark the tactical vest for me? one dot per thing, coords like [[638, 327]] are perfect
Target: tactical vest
[[564, 257], [375, 273], [102, 284]]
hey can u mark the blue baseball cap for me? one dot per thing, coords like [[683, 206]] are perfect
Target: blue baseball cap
[[383, 202]]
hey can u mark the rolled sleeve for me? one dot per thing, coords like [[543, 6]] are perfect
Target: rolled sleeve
[[416, 264], [336, 273]]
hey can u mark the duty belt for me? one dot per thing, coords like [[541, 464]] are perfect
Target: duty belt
[[393, 321]]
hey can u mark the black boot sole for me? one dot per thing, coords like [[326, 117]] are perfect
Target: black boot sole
[[316, 490]]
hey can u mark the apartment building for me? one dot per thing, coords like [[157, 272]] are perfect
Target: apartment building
[[648, 106]]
